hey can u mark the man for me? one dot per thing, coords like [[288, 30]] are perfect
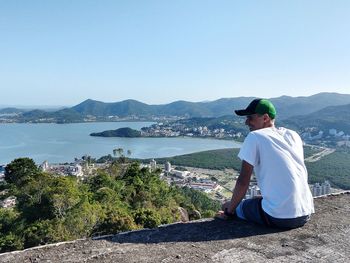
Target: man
[[277, 158]]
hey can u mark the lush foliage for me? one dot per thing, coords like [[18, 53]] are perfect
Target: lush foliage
[[121, 132], [214, 159], [51, 208], [311, 150], [334, 167]]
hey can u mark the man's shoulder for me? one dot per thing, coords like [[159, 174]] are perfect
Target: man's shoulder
[[287, 131], [273, 132]]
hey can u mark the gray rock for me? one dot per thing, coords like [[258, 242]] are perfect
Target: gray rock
[[183, 214], [195, 215]]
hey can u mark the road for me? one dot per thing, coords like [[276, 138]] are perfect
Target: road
[[317, 156]]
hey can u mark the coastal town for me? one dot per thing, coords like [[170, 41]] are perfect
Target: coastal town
[[175, 129], [332, 137]]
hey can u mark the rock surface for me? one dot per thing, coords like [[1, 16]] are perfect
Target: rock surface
[[325, 238]]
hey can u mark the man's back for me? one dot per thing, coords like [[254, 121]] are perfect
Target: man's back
[[277, 157]]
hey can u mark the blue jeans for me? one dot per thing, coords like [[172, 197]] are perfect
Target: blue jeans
[[251, 210]]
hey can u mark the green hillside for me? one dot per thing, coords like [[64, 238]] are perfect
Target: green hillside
[[336, 117], [214, 159], [334, 167]]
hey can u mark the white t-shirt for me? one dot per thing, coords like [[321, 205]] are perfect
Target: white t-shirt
[[278, 159]]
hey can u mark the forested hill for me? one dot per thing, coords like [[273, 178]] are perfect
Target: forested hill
[[92, 110], [332, 117], [121, 132]]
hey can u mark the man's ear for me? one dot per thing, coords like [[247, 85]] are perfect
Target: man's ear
[[266, 117]]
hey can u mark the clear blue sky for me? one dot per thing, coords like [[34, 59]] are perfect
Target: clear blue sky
[[63, 52]]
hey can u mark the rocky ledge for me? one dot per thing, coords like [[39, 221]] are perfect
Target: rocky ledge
[[325, 238]]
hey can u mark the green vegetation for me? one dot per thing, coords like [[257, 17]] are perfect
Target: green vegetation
[[214, 159], [60, 116], [311, 150], [333, 117], [121, 132], [51, 208], [334, 167]]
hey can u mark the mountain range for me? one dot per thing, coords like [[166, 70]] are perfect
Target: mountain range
[[287, 107]]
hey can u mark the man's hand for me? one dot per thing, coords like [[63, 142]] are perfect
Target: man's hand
[[225, 215], [221, 215], [226, 206]]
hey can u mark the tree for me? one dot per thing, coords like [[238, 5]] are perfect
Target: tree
[[38, 233], [48, 197], [147, 218], [10, 242], [119, 152], [116, 221], [20, 171], [102, 179], [7, 219]]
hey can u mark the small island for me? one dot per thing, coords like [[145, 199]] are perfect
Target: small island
[[121, 132]]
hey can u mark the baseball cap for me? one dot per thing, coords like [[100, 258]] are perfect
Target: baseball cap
[[260, 106]]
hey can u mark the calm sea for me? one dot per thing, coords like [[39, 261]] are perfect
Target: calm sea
[[63, 142]]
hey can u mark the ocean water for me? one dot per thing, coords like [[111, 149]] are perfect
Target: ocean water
[[59, 143]]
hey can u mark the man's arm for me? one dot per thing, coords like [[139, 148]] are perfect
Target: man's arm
[[241, 187]]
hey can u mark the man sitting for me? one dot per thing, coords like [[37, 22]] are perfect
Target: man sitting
[[277, 158]]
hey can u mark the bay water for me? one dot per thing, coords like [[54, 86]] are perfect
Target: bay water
[[58, 143]]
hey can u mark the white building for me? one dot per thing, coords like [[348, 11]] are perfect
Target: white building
[[253, 191], [204, 186], [167, 167], [180, 174], [340, 134], [8, 202], [153, 165], [77, 170], [45, 166], [321, 189], [316, 190], [332, 132], [2, 173], [326, 188], [318, 136]]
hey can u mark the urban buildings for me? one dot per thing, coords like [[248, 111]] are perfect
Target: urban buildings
[[320, 189], [2, 173]]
